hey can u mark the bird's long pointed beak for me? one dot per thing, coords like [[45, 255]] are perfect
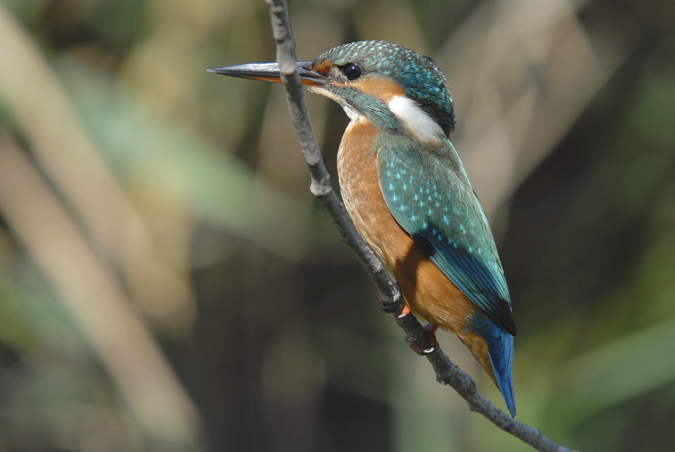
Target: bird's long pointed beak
[[269, 72]]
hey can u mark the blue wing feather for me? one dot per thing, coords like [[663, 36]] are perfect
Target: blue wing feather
[[429, 195]]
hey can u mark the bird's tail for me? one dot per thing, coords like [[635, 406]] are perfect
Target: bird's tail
[[500, 349], [493, 349]]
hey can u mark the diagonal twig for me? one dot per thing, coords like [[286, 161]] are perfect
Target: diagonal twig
[[446, 371]]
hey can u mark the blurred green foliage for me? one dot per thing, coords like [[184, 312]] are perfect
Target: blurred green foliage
[[268, 322]]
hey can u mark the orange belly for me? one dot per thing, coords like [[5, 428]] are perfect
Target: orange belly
[[426, 289]]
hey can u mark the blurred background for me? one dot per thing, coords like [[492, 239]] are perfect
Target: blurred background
[[168, 283]]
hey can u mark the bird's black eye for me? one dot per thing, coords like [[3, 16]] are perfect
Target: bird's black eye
[[352, 71]]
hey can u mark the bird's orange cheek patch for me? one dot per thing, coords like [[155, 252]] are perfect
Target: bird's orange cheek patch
[[378, 86]]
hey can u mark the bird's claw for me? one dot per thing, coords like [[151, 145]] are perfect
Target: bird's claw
[[405, 310], [431, 331], [385, 307]]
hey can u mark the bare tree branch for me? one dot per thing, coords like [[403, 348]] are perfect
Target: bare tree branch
[[446, 371]]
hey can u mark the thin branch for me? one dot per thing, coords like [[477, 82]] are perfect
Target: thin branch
[[321, 186], [446, 371]]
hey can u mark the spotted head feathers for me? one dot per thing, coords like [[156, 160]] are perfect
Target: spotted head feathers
[[368, 75]]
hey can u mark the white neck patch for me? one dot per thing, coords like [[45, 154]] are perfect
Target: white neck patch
[[415, 120]]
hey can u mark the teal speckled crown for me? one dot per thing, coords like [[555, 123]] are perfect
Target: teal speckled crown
[[417, 74]]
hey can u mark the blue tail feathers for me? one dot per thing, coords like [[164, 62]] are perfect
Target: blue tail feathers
[[500, 347]]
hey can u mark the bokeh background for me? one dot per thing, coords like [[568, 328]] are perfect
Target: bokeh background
[[167, 282]]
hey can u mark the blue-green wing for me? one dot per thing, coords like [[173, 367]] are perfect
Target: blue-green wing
[[430, 196]]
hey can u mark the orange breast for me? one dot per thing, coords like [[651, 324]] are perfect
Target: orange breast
[[426, 289]]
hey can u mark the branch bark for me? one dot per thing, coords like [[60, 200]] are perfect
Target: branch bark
[[446, 371]]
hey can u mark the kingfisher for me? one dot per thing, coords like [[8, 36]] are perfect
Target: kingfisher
[[408, 195]]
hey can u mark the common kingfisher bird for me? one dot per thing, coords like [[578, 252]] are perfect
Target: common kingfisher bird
[[406, 191]]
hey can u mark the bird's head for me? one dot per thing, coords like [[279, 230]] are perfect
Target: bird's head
[[395, 88]]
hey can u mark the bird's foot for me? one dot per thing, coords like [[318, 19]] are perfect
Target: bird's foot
[[385, 307], [420, 350], [405, 310]]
